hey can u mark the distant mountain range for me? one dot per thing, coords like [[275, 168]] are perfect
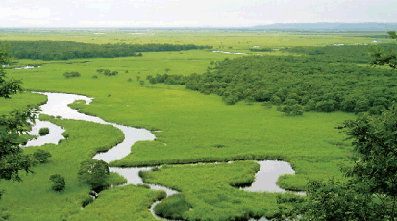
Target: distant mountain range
[[329, 27], [293, 27]]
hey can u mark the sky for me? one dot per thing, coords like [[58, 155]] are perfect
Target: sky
[[189, 13]]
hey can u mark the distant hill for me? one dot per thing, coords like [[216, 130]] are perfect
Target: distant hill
[[330, 27]]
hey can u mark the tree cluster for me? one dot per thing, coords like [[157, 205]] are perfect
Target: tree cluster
[[107, 72], [72, 74], [291, 81], [357, 54], [169, 79], [65, 50]]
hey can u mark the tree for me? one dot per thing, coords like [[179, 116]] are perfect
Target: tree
[[392, 34], [375, 143], [58, 182], [94, 172], [11, 86], [332, 200], [12, 125], [380, 57]]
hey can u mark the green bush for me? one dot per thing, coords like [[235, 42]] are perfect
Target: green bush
[[41, 155], [72, 74], [44, 131], [107, 72], [94, 172], [58, 182]]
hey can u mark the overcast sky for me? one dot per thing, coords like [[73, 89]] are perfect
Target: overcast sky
[[188, 13]]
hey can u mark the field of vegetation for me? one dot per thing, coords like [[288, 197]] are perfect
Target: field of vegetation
[[194, 121]]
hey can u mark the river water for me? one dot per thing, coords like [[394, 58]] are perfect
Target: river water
[[57, 105]]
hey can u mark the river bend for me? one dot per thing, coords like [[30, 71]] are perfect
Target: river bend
[[57, 105]]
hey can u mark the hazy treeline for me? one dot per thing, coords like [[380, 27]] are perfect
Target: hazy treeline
[[65, 50], [342, 54], [292, 81]]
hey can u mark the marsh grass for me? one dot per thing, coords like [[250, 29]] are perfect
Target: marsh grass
[[174, 208], [33, 198], [208, 192], [122, 203]]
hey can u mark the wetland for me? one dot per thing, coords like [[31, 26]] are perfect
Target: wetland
[[211, 139]]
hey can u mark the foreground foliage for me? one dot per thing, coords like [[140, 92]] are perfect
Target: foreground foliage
[[12, 159], [370, 193]]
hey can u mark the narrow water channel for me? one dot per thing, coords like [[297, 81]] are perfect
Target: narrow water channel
[[57, 105]]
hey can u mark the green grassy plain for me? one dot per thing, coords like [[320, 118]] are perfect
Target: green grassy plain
[[193, 128], [220, 39], [33, 198]]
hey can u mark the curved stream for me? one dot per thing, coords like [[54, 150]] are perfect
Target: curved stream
[[57, 105]]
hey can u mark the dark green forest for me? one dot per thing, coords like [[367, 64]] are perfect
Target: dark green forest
[[65, 50], [323, 79]]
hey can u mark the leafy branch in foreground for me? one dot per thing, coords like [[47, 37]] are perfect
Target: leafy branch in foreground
[[380, 57], [12, 125], [392, 34]]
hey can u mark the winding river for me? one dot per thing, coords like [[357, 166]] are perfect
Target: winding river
[[57, 105]]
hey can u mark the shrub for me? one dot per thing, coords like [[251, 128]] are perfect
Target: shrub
[[58, 182], [107, 72], [41, 155], [94, 172], [87, 201], [44, 131], [71, 74]]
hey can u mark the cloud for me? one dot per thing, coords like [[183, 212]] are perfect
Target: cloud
[[25, 13]]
